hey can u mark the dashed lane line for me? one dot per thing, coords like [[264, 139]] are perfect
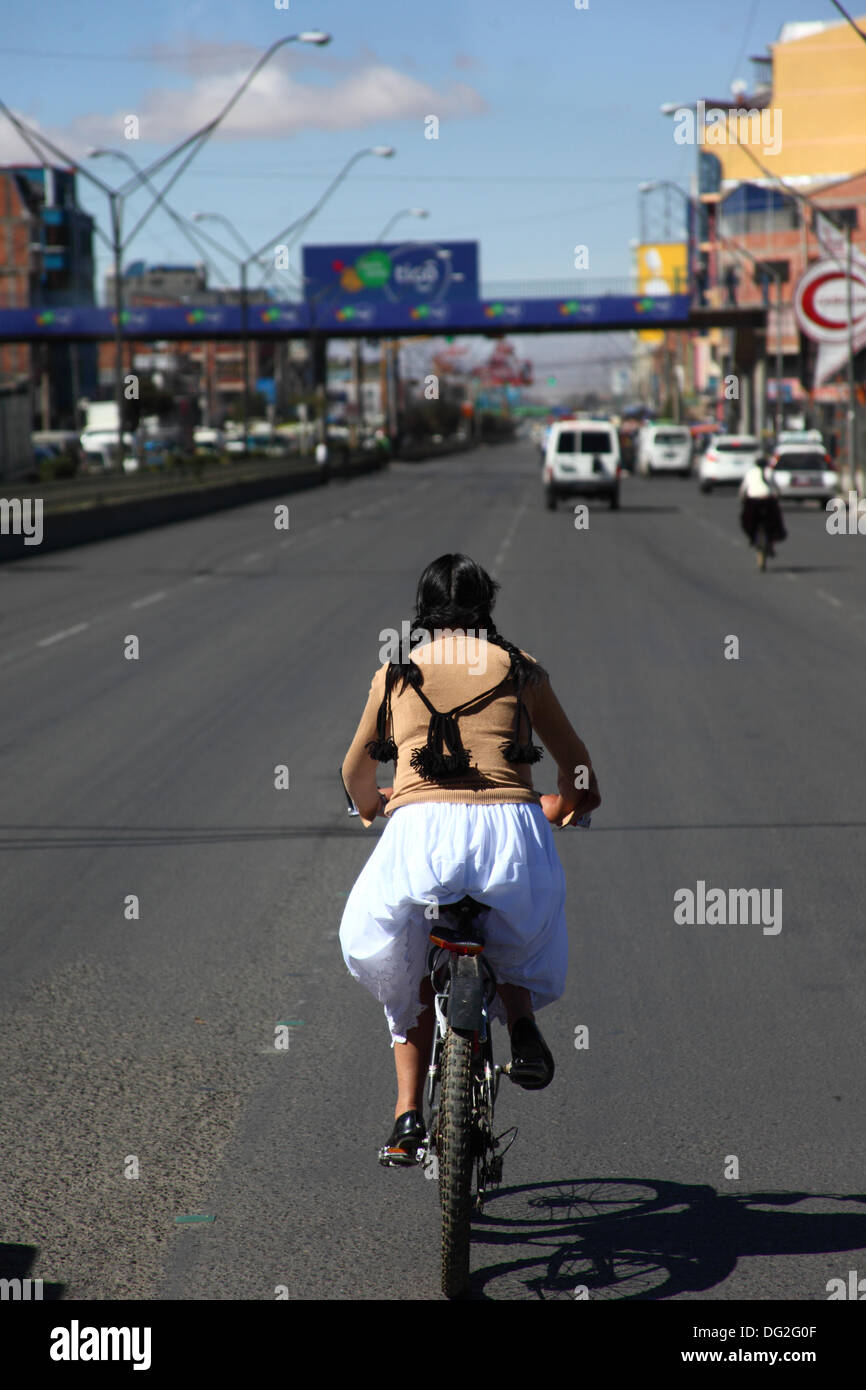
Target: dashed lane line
[[148, 599], [837, 603], [59, 636]]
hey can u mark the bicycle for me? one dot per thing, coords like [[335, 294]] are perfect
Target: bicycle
[[460, 1123], [763, 544]]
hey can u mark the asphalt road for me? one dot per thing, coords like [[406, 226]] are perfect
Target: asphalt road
[[150, 1037]]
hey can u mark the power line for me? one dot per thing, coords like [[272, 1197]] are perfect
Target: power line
[[846, 15], [746, 36]]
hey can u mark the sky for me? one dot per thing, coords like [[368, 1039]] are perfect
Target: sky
[[548, 114]]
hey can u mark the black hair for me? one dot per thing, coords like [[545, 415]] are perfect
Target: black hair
[[455, 592]]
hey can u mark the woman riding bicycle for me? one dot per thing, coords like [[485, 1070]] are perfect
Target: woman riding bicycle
[[456, 715], [761, 508]]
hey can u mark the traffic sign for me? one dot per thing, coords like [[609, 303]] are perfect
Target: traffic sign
[[821, 300]]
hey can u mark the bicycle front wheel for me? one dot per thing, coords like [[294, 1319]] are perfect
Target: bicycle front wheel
[[455, 1161]]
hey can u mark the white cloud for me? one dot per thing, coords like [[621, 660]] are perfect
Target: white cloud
[[277, 104]]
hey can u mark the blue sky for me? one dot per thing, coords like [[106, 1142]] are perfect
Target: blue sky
[[549, 115]]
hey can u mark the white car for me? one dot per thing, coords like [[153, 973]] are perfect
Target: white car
[[664, 449], [805, 471], [581, 460], [727, 459]]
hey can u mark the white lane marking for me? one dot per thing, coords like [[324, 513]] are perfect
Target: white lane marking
[[150, 598], [837, 603], [200, 578], [509, 537], [792, 577], [252, 557], [58, 636]]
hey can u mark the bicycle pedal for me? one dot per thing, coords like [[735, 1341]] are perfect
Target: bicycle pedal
[[396, 1158]]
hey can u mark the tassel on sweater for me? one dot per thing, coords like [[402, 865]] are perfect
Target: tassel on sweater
[[522, 752], [382, 748], [515, 751], [432, 761]]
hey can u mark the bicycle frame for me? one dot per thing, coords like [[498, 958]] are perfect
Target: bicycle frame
[[464, 985]]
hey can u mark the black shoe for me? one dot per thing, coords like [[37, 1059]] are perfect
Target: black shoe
[[407, 1136], [532, 1065]]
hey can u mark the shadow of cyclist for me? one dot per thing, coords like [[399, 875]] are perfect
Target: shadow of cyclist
[[635, 1238]]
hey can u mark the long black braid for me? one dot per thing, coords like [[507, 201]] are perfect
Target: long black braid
[[455, 593]]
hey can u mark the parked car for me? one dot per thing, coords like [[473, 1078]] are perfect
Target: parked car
[[664, 449], [805, 472], [727, 459], [582, 459]]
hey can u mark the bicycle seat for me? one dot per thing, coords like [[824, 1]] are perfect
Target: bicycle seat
[[458, 928]]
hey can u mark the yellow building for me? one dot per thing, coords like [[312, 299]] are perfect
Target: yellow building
[[812, 127]]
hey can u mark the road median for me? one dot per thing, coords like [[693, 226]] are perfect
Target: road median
[[40, 517]]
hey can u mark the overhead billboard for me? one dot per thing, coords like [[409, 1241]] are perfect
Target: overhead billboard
[[662, 269], [410, 273]]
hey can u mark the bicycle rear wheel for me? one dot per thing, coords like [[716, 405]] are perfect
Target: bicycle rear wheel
[[455, 1161]]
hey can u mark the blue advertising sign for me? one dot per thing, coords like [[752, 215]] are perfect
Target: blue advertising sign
[[410, 272]]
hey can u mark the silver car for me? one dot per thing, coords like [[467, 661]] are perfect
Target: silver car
[[805, 472]]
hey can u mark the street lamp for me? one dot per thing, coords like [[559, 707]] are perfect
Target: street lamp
[[116, 196], [199, 138], [296, 227], [118, 247], [405, 212], [387, 346]]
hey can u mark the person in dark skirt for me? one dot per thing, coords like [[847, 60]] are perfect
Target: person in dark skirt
[[761, 507]]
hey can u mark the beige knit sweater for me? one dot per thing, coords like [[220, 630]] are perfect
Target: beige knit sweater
[[455, 670]]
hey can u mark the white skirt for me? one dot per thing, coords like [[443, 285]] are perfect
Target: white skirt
[[503, 855]]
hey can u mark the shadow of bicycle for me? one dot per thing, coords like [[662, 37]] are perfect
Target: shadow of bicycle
[[633, 1238]]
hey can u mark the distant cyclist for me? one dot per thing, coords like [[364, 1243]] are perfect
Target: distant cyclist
[[760, 493], [456, 716]]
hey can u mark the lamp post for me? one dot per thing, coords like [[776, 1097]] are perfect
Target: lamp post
[[404, 212], [384, 152], [117, 249], [387, 348], [190, 146]]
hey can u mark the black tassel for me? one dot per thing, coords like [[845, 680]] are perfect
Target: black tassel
[[432, 765], [432, 762], [522, 752], [384, 750], [382, 747], [515, 751]]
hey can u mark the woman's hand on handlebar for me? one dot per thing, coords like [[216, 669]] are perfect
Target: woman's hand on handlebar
[[555, 808]]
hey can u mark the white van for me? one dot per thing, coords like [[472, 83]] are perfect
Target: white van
[[581, 460], [664, 449]]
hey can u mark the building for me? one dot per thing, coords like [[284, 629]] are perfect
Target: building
[[46, 260], [207, 371], [767, 162]]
